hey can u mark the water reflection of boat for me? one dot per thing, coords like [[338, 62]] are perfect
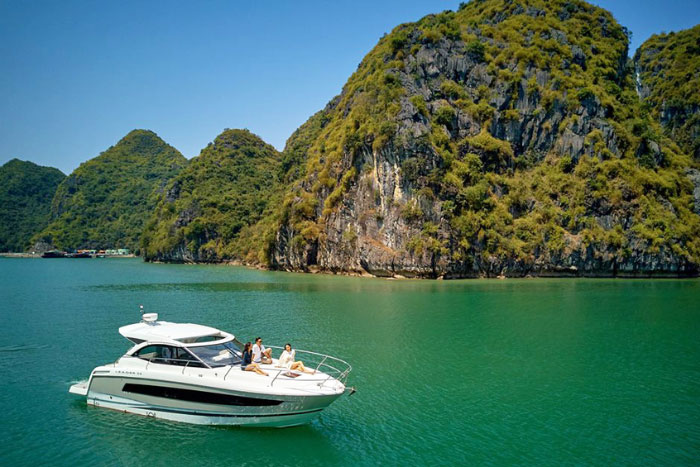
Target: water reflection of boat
[[192, 373], [53, 254]]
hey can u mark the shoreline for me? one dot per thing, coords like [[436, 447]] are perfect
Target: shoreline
[[38, 255], [563, 274]]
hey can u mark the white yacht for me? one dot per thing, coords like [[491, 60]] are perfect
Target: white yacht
[[192, 373]]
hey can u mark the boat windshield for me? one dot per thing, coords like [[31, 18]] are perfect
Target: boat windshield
[[195, 340], [218, 354]]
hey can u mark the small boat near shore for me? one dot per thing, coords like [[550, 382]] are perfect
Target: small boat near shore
[[192, 373], [54, 254], [63, 254], [80, 254]]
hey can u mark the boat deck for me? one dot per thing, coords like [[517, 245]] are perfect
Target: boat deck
[[79, 388]]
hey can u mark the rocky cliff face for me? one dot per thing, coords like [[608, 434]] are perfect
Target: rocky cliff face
[[668, 68], [503, 139], [105, 202]]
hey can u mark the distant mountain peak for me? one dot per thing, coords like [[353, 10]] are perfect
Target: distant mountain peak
[[105, 202], [20, 163], [239, 138], [26, 190], [206, 212], [141, 133]]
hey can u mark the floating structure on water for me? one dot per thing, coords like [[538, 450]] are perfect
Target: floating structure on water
[[192, 373], [87, 253], [54, 254]]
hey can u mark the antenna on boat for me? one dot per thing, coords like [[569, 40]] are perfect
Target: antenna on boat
[[149, 318]]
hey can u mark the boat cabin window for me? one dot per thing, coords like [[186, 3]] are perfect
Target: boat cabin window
[[218, 355], [168, 355], [194, 340]]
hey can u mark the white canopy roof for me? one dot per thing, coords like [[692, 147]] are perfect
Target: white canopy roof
[[163, 331]]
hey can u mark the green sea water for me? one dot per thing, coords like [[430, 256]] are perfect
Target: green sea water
[[477, 372]]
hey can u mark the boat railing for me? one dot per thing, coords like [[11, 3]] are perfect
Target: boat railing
[[331, 367], [328, 366], [184, 363]]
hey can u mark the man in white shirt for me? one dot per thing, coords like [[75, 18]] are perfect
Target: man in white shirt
[[260, 353]]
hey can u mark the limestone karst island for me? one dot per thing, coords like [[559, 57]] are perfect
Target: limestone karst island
[[350, 233], [506, 138]]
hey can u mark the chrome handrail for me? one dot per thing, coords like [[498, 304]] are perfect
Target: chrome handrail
[[169, 361], [275, 378], [328, 368], [322, 362], [320, 381]]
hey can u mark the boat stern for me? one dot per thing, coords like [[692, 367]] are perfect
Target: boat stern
[[79, 389]]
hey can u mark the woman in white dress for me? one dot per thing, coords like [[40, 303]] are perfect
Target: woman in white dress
[[286, 360]]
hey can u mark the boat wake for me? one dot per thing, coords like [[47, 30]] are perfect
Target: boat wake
[[20, 348]]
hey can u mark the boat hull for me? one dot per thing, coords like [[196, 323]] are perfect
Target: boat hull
[[181, 402], [204, 418]]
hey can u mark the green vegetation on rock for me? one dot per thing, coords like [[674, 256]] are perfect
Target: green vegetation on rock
[[105, 202], [511, 137], [207, 211], [26, 190], [504, 138], [669, 82]]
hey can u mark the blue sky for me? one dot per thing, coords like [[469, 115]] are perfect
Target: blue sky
[[77, 76]]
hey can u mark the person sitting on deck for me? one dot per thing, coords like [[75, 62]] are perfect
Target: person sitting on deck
[[247, 364], [286, 360], [260, 353]]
